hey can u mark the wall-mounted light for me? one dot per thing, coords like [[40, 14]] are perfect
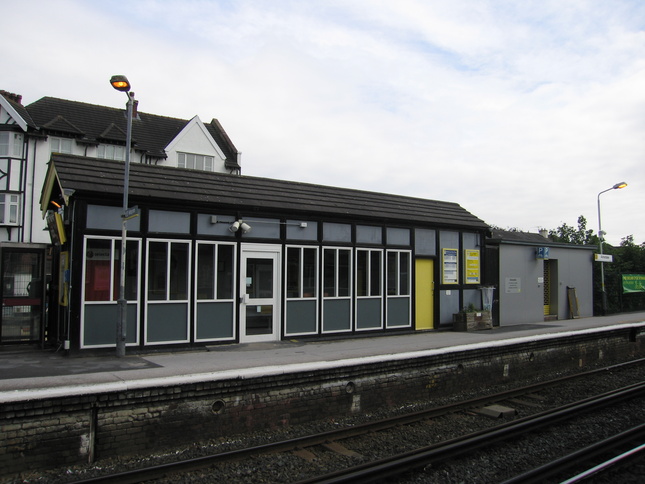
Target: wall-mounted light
[[240, 225]]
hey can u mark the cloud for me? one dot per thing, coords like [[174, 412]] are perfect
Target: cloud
[[520, 111]]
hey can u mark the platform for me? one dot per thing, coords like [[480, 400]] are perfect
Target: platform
[[27, 373]]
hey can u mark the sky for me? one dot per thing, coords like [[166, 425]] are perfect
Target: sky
[[521, 112]]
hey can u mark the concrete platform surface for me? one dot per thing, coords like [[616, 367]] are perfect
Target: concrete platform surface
[[32, 373]]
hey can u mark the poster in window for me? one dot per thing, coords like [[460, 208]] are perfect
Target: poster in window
[[450, 266], [473, 271]]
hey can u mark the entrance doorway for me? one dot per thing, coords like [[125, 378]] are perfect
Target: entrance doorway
[[22, 296], [259, 293], [424, 293]]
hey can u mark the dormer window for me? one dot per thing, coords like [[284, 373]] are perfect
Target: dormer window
[[60, 145], [111, 152], [195, 162]]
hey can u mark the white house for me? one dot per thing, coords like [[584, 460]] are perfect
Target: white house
[[28, 137]]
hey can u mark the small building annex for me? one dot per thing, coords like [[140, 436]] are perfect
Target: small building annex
[[539, 279], [216, 258]]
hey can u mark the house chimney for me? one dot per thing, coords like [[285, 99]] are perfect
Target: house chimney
[[17, 98], [135, 108], [544, 233]]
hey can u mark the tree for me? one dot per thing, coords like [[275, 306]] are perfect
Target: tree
[[629, 258], [581, 236]]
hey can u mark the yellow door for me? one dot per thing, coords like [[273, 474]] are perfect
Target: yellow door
[[424, 293]]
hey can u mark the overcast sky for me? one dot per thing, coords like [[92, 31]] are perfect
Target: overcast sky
[[520, 111]]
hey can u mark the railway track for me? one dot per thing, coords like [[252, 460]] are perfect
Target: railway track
[[405, 463], [332, 440]]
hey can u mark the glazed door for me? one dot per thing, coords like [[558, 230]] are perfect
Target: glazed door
[[259, 293], [22, 296]]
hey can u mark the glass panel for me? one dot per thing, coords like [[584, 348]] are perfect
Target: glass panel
[[404, 279], [344, 276], [375, 273], [259, 319], [225, 272], [259, 278], [361, 273], [178, 271], [206, 271], [98, 261], [157, 270], [392, 273], [329, 273], [131, 270], [293, 272], [310, 274]]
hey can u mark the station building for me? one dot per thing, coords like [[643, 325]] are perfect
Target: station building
[[215, 257], [539, 279]]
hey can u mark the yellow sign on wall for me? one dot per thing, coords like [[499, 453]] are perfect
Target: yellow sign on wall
[[473, 271]]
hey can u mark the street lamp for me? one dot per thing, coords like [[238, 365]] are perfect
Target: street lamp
[[601, 236], [121, 83]]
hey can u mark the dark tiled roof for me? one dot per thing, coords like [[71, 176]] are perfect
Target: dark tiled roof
[[528, 238], [212, 191], [93, 123], [20, 109]]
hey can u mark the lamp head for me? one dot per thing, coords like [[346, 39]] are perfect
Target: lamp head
[[120, 83], [619, 185], [235, 226], [245, 227]]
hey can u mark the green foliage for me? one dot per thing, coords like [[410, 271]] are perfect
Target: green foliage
[[629, 258], [570, 235]]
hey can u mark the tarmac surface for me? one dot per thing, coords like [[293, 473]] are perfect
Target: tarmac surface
[[27, 373]]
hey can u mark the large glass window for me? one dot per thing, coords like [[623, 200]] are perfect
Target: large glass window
[[302, 272], [168, 270], [195, 162], [398, 273], [215, 266], [103, 269], [337, 272], [368, 272]]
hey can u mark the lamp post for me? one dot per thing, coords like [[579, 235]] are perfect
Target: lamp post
[[121, 83], [601, 236]]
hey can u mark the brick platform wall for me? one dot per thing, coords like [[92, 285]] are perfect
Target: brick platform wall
[[62, 431]]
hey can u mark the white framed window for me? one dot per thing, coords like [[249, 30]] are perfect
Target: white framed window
[[10, 144], [301, 289], [111, 152], [195, 162], [369, 289], [399, 300], [9, 209], [215, 302], [61, 145], [167, 306], [337, 289], [101, 290]]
